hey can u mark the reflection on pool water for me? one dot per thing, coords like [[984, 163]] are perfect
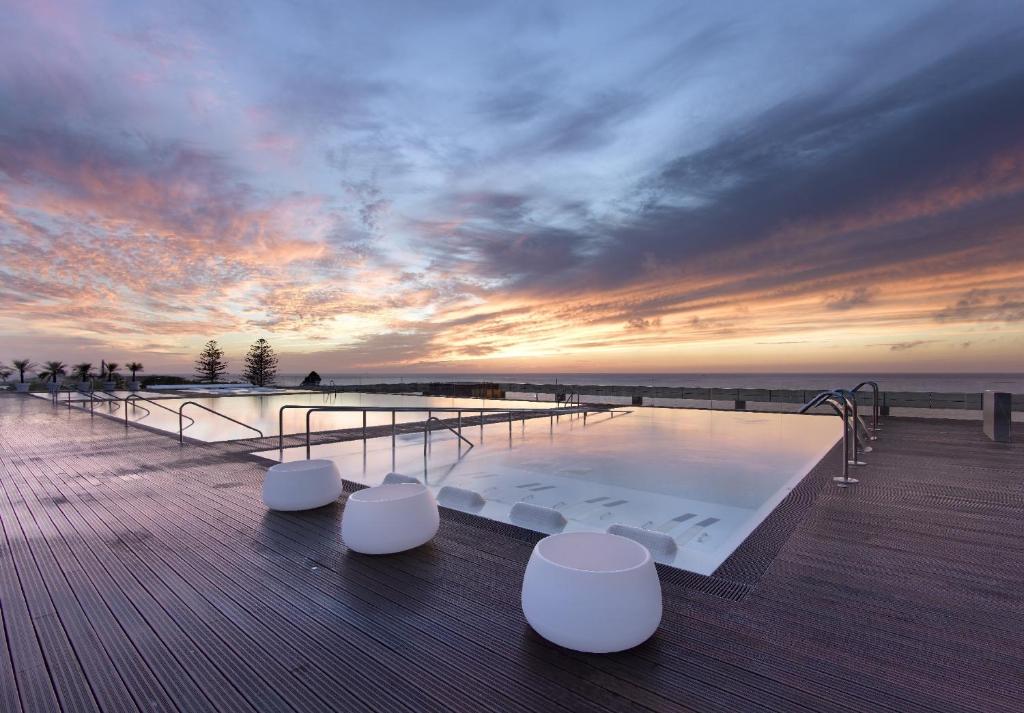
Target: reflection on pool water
[[262, 412], [700, 480]]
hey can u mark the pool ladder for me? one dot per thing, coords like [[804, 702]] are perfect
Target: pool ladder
[[844, 403]]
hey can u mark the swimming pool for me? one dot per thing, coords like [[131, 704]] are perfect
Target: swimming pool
[[261, 411], [700, 480]]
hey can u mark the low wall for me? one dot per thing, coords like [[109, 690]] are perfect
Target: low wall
[[889, 399]]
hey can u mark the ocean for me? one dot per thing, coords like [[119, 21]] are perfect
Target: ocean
[[946, 383]]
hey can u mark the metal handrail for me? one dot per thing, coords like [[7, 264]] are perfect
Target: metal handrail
[[830, 397], [435, 418], [181, 431], [114, 398], [551, 413], [393, 410], [851, 400], [874, 403], [136, 397]]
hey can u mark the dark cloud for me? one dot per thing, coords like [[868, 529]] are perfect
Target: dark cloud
[[848, 300], [858, 182], [984, 306], [904, 346]]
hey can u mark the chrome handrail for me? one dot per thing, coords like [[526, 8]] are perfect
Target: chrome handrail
[[540, 413], [830, 397], [851, 400], [435, 418], [874, 403], [181, 431], [136, 397]]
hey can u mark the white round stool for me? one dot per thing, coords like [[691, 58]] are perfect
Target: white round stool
[[592, 591], [389, 518], [301, 485]]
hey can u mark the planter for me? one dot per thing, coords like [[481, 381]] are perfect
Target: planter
[[21, 388], [134, 385], [109, 385], [85, 386]]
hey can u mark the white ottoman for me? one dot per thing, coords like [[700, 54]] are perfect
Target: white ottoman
[[389, 518], [301, 485], [592, 591]]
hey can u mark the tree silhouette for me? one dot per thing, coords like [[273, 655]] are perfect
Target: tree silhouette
[[53, 369], [21, 366], [133, 366], [260, 363], [210, 364]]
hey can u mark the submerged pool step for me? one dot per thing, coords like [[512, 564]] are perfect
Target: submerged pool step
[[662, 547], [537, 517]]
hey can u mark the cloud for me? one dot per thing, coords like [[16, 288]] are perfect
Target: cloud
[[981, 305], [426, 195], [848, 300], [904, 346], [641, 323]]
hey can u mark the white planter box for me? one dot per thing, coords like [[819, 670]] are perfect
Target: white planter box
[[134, 385], [109, 385], [21, 388]]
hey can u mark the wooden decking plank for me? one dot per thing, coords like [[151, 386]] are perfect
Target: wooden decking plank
[[33, 686], [392, 655], [279, 647], [70, 681], [902, 593], [383, 613], [221, 673], [208, 691], [109, 689]]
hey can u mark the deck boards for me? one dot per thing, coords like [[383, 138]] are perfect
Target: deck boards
[[137, 574]]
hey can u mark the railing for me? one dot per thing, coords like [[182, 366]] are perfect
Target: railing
[[133, 398], [181, 416], [875, 406], [551, 413], [831, 398], [458, 433]]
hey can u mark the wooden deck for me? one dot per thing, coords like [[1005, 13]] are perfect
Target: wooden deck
[[137, 574]]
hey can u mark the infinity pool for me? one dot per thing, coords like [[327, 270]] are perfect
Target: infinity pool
[[261, 411], [700, 481]]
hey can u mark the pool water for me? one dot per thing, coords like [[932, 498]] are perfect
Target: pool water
[[700, 480], [261, 412]]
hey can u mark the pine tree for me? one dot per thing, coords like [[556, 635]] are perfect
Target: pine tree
[[210, 364], [260, 363]]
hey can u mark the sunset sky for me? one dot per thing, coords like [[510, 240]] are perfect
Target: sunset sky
[[473, 186]]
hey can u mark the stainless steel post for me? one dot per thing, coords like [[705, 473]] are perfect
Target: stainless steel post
[[845, 480]]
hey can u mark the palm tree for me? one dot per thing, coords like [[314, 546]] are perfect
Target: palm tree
[[4, 373], [83, 371], [111, 368], [21, 366], [133, 366], [53, 369]]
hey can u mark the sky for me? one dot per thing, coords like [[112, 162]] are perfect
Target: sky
[[519, 186]]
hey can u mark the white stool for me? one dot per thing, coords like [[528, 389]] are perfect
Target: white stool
[[592, 591], [389, 518], [301, 485]]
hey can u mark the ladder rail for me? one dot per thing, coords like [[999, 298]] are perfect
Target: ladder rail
[[181, 416]]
